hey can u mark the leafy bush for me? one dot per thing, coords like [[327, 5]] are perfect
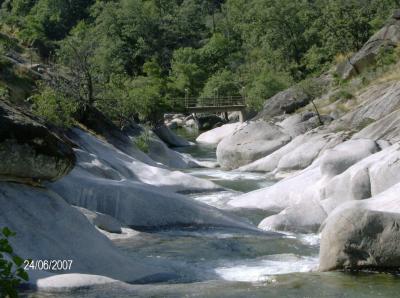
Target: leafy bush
[[54, 107], [143, 141], [341, 94], [12, 272], [387, 56]]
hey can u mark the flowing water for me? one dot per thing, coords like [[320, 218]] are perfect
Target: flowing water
[[223, 263]]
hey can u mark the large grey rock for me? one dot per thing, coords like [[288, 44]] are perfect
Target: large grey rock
[[298, 154], [298, 124], [249, 143], [290, 100], [160, 154], [29, 152], [304, 217], [368, 177], [216, 135], [388, 36], [286, 101], [47, 228], [361, 239], [281, 195], [305, 153], [338, 159]]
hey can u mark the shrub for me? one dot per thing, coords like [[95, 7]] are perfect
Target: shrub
[[54, 107], [341, 94], [387, 55], [4, 93], [143, 141], [12, 272]]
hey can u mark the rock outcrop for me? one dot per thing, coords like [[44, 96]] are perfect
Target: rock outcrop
[[289, 100], [388, 36], [284, 102], [357, 238], [249, 143], [29, 152]]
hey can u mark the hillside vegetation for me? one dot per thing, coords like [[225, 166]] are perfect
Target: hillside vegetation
[[132, 58]]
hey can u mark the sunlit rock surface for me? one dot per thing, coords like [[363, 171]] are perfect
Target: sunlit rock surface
[[249, 143], [47, 228], [214, 136], [108, 181]]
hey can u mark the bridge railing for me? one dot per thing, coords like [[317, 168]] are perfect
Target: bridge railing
[[212, 102]]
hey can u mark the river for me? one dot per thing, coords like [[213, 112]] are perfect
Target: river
[[222, 263]]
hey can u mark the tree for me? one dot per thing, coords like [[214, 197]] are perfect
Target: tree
[[221, 84], [78, 78], [313, 89]]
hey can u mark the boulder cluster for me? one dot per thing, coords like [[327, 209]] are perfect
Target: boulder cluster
[[341, 178]]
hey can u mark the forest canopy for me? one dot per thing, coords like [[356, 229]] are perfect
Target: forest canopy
[[131, 58]]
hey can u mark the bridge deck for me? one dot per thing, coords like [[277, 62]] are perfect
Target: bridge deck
[[215, 104], [211, 109]]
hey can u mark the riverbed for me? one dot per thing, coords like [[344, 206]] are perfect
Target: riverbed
[[225, 263]]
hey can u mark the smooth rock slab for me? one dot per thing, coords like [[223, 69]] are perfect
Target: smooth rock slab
[[47, 228], [249, 143], [361, 239]]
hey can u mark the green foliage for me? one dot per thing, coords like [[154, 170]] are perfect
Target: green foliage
[[387, 56], [12, 272], [130, 58], [264, 86], [44, 21], [143, 140], [341, 94], [221, 84], [312, 88], [4, 93], [142, 97], [54, 107], [187, 72]]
